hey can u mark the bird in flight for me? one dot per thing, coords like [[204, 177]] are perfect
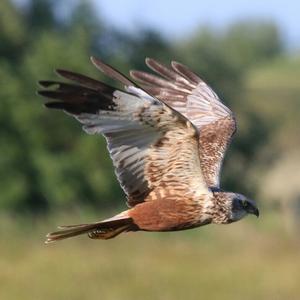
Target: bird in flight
[[166, 135]]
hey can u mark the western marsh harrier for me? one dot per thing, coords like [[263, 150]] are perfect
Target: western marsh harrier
[[167, 138]]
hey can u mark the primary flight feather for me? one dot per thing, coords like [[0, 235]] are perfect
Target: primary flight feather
[[167, 138]]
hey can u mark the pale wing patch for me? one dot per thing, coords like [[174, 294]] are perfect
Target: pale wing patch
[[175, 158], [148, 145], [188, 94], [129, 134], [151, 144], [204, 106]]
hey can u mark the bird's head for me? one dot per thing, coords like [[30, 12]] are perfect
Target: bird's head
[[241, 206], [232, 207]]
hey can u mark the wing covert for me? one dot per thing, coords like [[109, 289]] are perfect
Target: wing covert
[[188, 94], [150, 143]]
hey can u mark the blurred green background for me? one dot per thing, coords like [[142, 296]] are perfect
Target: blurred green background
[[52, 173]]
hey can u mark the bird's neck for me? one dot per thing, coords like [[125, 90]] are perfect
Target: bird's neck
[[221, 211]]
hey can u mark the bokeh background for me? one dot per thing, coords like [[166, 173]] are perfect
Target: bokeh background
[[52, 173]]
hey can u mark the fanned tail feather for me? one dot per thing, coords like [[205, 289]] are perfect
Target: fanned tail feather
[[106, 229]]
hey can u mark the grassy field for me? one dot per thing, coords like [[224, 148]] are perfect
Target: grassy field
[[253, 259]]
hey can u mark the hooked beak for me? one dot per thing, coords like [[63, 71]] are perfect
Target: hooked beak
[[254, 211]]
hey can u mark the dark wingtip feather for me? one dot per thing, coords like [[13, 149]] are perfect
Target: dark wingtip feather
[[97, 63], [185, 72], [149, 60], [111, 72], [73, 76], [100, 65], [72, 108], [152, 63], [45, 83], [134, 74], [56, 105], [175, 63], [49, 94], [63, 73], [68, 107], [41, 93]]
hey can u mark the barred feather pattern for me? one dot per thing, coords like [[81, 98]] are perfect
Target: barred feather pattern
[[188, 94], [149, 143]]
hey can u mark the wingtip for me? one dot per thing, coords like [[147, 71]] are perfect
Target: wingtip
[[147, 59], [97, 62], [110, 71], [47, 83], [55, 105], [134, 74], [44, 94], [150, 61], [175, 63], [42, 83], [60, 72], [47, 94], [92, 58], [38, 93], [41, 93], [46, 105]]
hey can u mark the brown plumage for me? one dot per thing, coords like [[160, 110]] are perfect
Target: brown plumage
[[167, 139]]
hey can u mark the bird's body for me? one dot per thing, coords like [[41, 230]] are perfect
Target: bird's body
[[167, 140]]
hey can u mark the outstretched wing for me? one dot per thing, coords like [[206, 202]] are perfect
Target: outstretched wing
[[188, 94], [151, 145]]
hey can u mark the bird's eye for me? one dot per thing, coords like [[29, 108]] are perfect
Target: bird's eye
[[245, 203]]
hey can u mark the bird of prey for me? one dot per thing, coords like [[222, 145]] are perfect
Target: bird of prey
[[166, 135]]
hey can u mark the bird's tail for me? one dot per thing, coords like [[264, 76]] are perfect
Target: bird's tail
[[104, 230]]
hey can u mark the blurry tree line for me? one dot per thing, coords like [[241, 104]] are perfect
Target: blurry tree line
[[46, 160]]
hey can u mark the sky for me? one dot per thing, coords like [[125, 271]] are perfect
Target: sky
[[176, 19]]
